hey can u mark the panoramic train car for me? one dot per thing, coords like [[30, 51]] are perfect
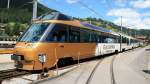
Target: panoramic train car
[[129, 42], [54, 37], [126, 43]]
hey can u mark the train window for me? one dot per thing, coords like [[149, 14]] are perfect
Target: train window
[[108, 40], [98, 38], [131, 41], [74, 35], [128, 43], [34, 32], [116, 39], [94, 37], [123, 40], [64, 17], [85, 36], [58, 34], [103, 39], [48, 17]]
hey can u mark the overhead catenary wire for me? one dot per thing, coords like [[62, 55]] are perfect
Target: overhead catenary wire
[[62, 5], [109, 6], [92, 10]]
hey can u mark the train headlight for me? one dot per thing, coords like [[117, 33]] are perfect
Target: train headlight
[[42, 58]]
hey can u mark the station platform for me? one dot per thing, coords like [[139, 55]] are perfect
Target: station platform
[[6, 62], [5, 58], [126, 68]]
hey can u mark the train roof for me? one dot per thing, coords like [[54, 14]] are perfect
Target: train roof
[[57, 17], [92, 27]]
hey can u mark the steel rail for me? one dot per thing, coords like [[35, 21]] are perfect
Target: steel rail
[[93, 71], [11, 73]]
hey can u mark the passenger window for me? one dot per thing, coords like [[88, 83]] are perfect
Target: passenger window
[[123, 40], [58, 34], [93, 37], [85, 36], [98, 38], [103, 39], [74, 36]]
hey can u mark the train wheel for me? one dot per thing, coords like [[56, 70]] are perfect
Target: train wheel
[[64, 62], [116, 51], [123, 49]]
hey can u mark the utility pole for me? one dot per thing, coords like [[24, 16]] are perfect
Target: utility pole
[[121, 24], [129, 32], [8, 4], [135, 33], [121, 36], [34, 9], [90, 21]]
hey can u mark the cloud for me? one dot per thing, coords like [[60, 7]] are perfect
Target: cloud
[[146, 21], [124, 12], [40, 0], [121, 3], [141, 4], [130, 18], [72, 1], [146, 14], [132, 23]]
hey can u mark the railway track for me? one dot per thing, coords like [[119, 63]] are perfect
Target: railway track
[[111, 71], [93, 71], [112, 74], [113, 81], [11, 73]]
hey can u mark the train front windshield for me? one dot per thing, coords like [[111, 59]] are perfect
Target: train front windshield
[[34, 32]]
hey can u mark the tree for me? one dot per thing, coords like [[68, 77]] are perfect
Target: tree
[[9, 28]]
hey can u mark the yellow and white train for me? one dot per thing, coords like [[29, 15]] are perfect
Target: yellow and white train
[[55, 36]]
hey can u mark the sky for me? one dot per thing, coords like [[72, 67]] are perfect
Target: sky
[[135, 13]]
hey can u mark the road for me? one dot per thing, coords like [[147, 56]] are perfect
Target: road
[[123, 68]]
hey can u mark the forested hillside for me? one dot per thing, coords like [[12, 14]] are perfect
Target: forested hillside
[[116, 28], [18, 16]]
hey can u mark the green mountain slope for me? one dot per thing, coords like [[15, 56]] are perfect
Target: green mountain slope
[[19, 11], [116, 28], [18, 16]]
